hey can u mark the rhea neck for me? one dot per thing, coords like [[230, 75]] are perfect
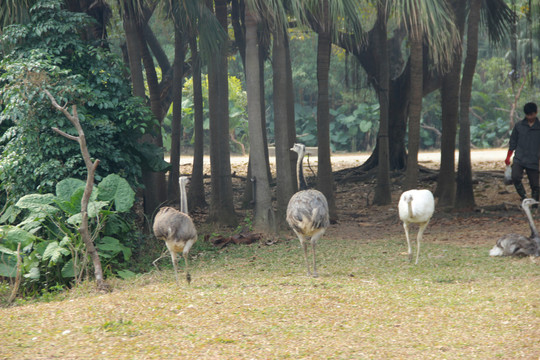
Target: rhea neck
[[300, 171], [534, 231], [183, 197], [409, 205]]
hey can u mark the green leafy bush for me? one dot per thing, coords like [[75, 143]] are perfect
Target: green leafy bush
[[48, 52], [46, 227]]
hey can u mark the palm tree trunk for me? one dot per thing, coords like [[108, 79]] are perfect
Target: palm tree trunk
[[415, 108], [382, 189], [264, 216], [285, 187], [324, 175], [446, 184], [154, 193], [173, 189], [464, 191], [221, 207], [196, 188]]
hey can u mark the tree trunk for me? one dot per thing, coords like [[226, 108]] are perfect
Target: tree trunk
[[415, 108], [154, 193], [221, 207], [324, 175], [446, 184], [173, 189], [196, 188], [291, 125], [264, 215], [382, 189], [285, 188], [464, 191], [91, 168], [134, 54]]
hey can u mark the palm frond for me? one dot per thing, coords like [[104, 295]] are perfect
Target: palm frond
[[497, 17], [434, 19]]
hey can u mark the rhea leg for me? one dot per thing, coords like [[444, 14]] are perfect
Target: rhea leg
[[419, 238], [314, 239], [163, 254], [175, 264], [409, 251], [185, 253], [304, 245]]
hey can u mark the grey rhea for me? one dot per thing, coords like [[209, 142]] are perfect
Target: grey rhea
[[307, 213], [177, 229], [516, 244], [416, 206]]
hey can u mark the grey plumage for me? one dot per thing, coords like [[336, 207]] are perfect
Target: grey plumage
[[516, 244], [177, 230], [307, 213]]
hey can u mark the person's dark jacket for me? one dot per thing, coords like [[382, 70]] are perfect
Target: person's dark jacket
[[525, 140]]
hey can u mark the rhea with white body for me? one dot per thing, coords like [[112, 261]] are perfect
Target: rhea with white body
[[307, 213], [516, 244], [416, 206], [177, 229]]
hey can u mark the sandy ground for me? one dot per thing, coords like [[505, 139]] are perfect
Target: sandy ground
[[339, 160]]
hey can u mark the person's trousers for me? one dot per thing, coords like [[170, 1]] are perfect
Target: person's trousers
[[534, 181]]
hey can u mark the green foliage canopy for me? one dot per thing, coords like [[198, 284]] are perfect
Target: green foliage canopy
[[49, 52]]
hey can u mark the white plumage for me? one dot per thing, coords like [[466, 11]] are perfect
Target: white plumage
[[416, 206], [307, 212]]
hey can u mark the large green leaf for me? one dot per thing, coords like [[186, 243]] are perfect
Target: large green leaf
[[38, 203], [111, 247], [67, 269], [66, 188], [54, 252], [94, 208], [117, 189], [13, 234], [8, 266]]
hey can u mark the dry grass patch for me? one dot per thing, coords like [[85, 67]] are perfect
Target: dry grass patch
[[255, 301]]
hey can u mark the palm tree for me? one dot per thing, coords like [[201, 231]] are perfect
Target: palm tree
[[499, 18], [286, 179], [464, 188], [327, 18], [221, 205], [264, 214], [434, 19], [382, 189]]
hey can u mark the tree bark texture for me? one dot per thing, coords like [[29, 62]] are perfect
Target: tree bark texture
[[264, 213], [173, 188], [221, 206], [415, 108], [196, 188], [285, 186], [382, 189], [324, 174], [446, 184], [464, 186]]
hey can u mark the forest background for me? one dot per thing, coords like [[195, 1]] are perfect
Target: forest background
[[142, 89]]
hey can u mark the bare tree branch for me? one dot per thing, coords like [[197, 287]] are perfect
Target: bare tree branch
[[91, 168]]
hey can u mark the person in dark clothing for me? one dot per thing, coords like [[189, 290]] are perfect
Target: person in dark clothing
[[525, 141]]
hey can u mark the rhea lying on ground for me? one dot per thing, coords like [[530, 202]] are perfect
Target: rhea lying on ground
[[177, 229], [516, 244]]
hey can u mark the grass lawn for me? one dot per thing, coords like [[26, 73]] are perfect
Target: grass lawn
[[255, 302]]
